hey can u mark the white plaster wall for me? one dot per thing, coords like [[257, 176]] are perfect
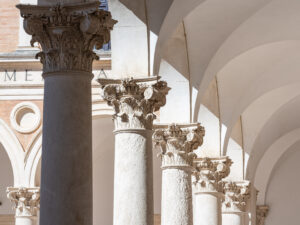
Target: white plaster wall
[[283, 191], [209, 118], [129, 40], [6, 180], [177, 108]]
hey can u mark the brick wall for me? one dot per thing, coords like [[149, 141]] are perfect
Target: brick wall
[[9, 25]]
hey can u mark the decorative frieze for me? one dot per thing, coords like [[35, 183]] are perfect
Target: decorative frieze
[[134, 100], [67, 34], [209, 173], [261, 214], [26, 201], [236, 197], [177, 143]]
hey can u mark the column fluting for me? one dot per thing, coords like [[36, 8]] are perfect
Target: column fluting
[[134, 102], [177, 143], [67, 34], [208, 189]]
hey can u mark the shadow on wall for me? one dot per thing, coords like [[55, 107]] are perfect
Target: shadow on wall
[[6, 180], [155, 15]]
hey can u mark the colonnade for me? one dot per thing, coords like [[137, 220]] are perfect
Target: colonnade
[[67, 34]]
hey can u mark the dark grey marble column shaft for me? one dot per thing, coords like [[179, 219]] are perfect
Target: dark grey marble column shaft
[[67, 35], [66, 185]]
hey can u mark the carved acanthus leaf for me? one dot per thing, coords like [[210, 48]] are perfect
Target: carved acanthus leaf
[[177, 143], [237, 195], [67, 34], [134, 100], [209, 173], [26, 201], [261, 214]]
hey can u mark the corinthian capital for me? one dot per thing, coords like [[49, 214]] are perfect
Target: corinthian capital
[[177, 143], [67, 34], [26, 201], [261, 214], [237, 195], [134, 100], [209, 173]]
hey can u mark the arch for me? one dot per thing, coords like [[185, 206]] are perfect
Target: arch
[[32, 159], [269, 161], [281, 59], [14, 151], [288, 92], [283, 121]]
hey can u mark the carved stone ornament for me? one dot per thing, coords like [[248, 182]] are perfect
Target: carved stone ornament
[[26, 201], [67, 33], [134, 100], [209, 173], [177, 143], [261, 214], [236, 197]]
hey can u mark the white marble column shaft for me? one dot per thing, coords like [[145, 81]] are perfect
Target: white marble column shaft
[[67, 35], [134, 101], [232, 218], [208, 189], [26, 202], [235, 202], [177, 143]]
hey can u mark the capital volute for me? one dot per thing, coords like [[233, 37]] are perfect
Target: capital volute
[[67, 34], [236, 196], [261, 214], [209, 172], [134, 100], [177, 143], [26, 201]]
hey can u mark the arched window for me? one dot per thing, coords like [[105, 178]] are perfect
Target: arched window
[[104, 6]]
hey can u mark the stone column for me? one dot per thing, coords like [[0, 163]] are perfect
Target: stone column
[[134, 101], [235, 202], [177, 143], [208, 189], [261, 214], [26, 202], [68, 35]]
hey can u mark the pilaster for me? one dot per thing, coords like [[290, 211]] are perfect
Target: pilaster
[[261, 214]]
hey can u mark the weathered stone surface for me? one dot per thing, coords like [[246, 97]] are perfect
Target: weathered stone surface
[[261, 214], [26, 202], [67, 34], [134, 102], [208, 189], [177, 143]]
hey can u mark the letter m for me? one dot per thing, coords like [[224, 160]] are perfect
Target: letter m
[[10, 77]]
